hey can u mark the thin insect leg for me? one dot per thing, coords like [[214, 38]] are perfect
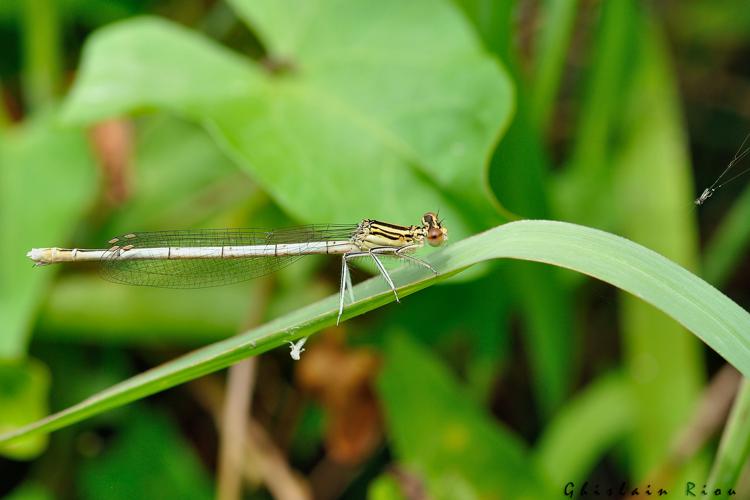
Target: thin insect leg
[[417, 261], [731, 179], [739, 155], [380, 266], [401, 252], [344, 273], [385, 274], [349, 284]]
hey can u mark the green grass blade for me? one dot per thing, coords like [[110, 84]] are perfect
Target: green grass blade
[[41, 51], [583, 190], [698, 306], [551, 51], [734, 448], [561, 453]]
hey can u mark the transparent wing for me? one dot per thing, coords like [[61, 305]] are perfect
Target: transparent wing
[[202, 272]]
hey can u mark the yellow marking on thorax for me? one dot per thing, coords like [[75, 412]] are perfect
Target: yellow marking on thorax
[[374, 234]]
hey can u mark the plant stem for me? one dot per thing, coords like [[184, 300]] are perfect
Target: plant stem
[[41, 46], [734, 447], [550, 57]]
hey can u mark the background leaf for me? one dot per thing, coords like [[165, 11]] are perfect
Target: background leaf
[[442, 436], [366, 129], [39, 207]]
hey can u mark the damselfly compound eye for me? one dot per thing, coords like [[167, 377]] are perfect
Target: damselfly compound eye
[[435, 236], [436, 233]]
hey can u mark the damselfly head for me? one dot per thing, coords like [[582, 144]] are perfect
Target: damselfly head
[[436, 233]]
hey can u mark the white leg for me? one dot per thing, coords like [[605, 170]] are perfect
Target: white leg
[[418, 261], [344, 273], [386, 277], [349, 284], [346, 277], [401, 253], [379, 265]]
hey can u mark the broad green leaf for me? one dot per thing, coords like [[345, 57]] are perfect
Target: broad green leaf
[[692, 302], [493, 22], [148, 63], [446, 439], [180, 179], [390, 113], [46, 182]]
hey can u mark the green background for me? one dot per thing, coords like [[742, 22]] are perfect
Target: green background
[[508, 380]]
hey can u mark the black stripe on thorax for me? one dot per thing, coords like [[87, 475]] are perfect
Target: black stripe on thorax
[[392, 235], [392, 226], [386, 234]]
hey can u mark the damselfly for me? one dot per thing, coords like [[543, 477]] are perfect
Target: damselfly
[[741, 153], [212, 257]]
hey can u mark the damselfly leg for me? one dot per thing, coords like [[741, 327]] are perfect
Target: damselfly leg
[[346, 278], [398, 252], [401, 252]]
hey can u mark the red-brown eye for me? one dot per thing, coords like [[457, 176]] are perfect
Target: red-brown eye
[[435, 236]]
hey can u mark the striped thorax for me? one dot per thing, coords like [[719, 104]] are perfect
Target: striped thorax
[[372, 234]]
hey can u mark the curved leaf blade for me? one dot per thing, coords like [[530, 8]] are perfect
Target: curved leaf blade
[[121, 72], [378, 114], [698, 306]]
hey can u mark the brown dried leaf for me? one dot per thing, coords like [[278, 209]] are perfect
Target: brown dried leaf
[[341, 379]]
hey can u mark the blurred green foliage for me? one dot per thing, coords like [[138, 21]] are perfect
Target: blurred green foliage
[[508, 382]]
